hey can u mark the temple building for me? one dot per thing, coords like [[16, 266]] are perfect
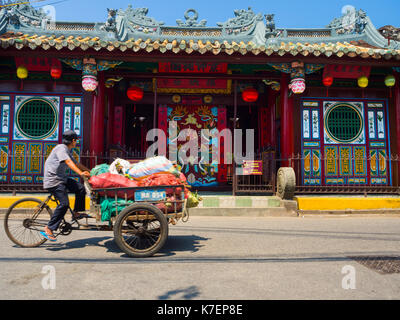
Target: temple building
[[324, 102]]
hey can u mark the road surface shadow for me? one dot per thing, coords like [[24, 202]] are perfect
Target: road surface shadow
[[179, 243], [186, 294], [110, 245], [183, 243]]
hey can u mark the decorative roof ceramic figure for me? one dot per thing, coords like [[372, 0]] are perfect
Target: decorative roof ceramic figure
[[245, 32]]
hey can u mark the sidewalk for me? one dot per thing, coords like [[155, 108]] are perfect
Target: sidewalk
[[7, 199], [257, 206], [348, 204]]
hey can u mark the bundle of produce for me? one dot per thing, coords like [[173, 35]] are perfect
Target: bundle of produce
[[99, 169], [110, 180], [170, 205], [160, 179], [173, 194], [109, 207], [151, 166], [120, 166], [193, 200]]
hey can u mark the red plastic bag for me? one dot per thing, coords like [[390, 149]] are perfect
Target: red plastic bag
[[110, 180], [164, 179]]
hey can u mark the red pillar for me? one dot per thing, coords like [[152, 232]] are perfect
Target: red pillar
[[272, 116], [396, 102], [287, 134], [97, 125], [110, 116]]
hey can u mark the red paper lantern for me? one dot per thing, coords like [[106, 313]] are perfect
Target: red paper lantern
[[327, 81], [250, 95], [56, 72], [135, 93]]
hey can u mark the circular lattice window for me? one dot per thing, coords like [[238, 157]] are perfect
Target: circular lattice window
[[344, 123], [37, 119]]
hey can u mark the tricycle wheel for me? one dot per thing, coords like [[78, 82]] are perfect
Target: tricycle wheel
[[141, 230], [24, 221]]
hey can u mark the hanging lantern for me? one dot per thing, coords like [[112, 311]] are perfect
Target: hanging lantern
[[89, 75], [250, 95], [363, 82], [327, 81], [297, 85], [390, 81], [89, 83], [135, 93], [56, 72], [22, 72]]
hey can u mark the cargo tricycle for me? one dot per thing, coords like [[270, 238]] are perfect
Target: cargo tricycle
[[140, 217]]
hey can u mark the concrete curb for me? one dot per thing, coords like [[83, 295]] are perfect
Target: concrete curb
[[351, 212], [243, 212], [347, 203]]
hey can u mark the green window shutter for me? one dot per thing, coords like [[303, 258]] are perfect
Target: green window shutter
[[37, 119], [344, 123]]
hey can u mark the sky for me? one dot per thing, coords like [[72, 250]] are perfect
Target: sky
[[288, 13]]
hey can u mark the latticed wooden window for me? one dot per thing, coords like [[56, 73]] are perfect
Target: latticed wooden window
[[37, 119], [344, 123]]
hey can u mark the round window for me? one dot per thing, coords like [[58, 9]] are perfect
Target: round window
[[344, 123], [37, 119]]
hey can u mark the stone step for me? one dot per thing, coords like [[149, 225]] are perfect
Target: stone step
[[252, 206], [240, 202], [243, 211]]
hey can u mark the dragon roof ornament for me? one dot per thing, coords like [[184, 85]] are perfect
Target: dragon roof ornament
[[132, 22], [351, 22], [138, 16], [23, 16], [246, 26], [242, 18]]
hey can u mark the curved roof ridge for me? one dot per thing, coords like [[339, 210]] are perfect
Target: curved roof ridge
[[246, 32]]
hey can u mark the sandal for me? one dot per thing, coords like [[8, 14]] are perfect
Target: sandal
[[48, 235]]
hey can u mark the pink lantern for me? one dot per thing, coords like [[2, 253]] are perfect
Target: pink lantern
[[297, 85], [89, 83]]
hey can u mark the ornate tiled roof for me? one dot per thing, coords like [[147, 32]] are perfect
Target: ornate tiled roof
[[131, 30], [338, 49]]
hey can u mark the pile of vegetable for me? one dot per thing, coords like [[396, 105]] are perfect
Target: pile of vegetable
[[156, 171]]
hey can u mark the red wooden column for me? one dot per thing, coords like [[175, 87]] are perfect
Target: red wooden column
[[272, 117], [98, 114], [396, 102], [110, 116], [287, 134]]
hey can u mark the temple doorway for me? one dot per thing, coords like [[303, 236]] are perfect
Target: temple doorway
[[138, 121]]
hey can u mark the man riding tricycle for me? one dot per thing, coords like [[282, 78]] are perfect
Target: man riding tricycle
[[137, 212]]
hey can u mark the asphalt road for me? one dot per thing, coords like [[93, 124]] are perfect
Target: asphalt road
[[210, 258]]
